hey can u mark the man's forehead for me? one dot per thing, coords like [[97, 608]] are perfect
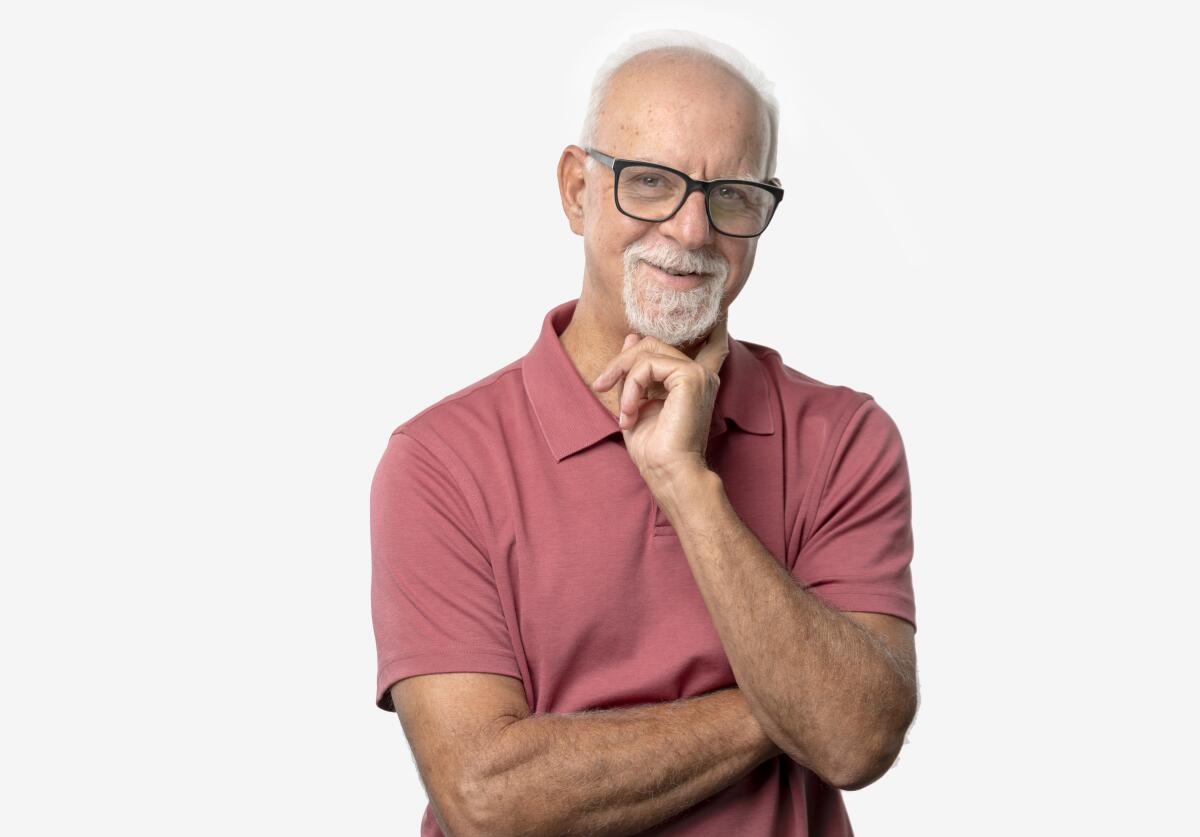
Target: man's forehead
[[685, 112], [696, 152], [698, 149]]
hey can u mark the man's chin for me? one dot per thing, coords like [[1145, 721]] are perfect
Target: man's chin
[[693, 330], [644, 298]]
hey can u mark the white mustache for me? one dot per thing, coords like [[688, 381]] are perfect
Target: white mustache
[[679, 261]]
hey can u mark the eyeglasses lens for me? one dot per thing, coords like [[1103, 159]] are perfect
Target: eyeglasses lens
[[653, 194]]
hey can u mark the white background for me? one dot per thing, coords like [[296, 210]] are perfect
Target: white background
[[242, 241]]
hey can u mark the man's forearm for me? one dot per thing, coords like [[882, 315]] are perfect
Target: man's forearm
[[834, 697], [616, 771]]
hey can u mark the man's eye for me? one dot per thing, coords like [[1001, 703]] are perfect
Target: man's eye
[[728, 193], [650, 180]]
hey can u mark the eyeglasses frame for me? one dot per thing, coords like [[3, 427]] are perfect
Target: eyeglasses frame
[[691, 185]]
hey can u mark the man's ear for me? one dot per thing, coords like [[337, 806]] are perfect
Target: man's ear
[[572, 186]]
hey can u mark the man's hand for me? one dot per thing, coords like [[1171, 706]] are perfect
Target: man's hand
[[666, 436]]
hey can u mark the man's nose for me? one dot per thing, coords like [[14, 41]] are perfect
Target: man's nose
[[689, 227]]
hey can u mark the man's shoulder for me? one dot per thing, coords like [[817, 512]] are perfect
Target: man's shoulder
[[469, 412], [802, 395]]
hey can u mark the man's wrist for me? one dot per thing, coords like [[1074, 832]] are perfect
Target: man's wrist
[[691, 496]]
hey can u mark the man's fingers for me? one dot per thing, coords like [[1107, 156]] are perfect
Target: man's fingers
[[711, 355], [648, 371]]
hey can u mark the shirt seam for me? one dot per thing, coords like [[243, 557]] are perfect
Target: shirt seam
[[470, 389], [449, 649], [479, 531], [831, 450], [851, 590]]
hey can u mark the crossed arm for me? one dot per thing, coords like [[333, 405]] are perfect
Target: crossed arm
[[600, 772], [833, 691], [491, 767]]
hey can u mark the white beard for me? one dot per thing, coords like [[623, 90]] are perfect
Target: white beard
[[672, 315]]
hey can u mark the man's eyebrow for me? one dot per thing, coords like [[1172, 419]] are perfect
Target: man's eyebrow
[[742, 176]]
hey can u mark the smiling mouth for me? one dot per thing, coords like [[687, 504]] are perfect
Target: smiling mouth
[[670, 271], [678, 281]]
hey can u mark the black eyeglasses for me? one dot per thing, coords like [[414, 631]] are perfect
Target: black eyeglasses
[[650, 192]]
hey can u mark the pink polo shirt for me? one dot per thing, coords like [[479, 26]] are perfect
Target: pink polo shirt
[[511, 533]]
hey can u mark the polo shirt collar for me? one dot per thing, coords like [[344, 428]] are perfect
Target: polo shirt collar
[[572, 418]]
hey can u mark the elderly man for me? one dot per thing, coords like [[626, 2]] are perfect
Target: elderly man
[[647, 578]]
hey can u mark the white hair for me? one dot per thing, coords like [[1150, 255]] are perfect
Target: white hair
[[682, 39]]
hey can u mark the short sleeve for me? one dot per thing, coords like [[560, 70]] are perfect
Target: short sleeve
[[858, 554], [434, 603]]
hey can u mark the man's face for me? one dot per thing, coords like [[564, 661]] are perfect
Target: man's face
[[693, 116]]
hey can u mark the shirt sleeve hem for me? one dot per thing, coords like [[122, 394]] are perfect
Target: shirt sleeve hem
[[870, 602], [439, 662]]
